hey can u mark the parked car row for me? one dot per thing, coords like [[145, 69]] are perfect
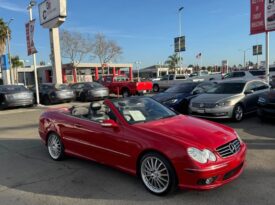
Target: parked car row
[[230, 99]]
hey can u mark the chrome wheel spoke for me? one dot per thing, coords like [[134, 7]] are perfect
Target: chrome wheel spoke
[[155, 174]]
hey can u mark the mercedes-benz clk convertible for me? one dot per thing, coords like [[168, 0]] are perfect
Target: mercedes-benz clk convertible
[[144, 138]]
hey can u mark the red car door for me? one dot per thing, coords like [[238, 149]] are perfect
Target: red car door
[[89, 139]]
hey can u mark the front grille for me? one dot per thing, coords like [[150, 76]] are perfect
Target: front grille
[[229, 149], [233, 172], [203, 105]]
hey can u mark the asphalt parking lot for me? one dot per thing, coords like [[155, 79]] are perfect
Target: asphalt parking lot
[[29, 176]]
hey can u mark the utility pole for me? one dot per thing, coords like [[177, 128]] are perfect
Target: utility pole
[[29, 8], [9, 74]]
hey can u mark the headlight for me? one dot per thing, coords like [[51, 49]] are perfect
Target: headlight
[[9, 96], [201, 156], [223, 104], [261, 100], [238, 136], [172, 101]]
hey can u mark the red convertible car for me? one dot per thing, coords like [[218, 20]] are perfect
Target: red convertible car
[[142, 137]]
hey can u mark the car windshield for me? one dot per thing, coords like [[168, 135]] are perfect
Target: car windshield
[[182, 88], [62, 87], [95, 85], [227, 88], [137, 110], [12, 88]]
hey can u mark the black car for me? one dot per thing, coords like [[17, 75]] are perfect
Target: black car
[[179, 96], [51, 93], [266, 105], [89, 91], [15, 96]]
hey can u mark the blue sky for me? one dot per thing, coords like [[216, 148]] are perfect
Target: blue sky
[[145, 28]]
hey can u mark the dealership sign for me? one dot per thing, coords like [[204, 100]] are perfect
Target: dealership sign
[[52, 13], [5, 62], [257, 50], [262, 17], [179, 44], [29, 35]]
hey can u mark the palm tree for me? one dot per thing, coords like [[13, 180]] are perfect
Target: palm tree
[[173, 62], [3, 36]]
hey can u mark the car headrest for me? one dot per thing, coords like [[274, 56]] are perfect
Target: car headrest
[[95, 106], [80, 111]]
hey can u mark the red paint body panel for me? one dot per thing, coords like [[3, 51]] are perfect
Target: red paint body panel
[[133, 87], [121, 147]]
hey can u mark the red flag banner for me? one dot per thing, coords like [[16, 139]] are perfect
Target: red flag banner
[[257, 16], [29, 35]]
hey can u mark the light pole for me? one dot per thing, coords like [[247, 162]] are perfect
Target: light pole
[[244, 56], [29, 8], [137, 66], [9, 75], [180, 32]]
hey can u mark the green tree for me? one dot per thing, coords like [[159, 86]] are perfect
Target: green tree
[[4, 29], [173, 62], [16, 63]]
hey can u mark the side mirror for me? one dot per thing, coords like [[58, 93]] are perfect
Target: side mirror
[[248, 92], [109, 123]]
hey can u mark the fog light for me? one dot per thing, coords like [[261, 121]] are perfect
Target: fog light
[[209, 180]]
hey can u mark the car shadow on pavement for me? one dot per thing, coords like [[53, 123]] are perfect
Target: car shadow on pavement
[[26, 166]]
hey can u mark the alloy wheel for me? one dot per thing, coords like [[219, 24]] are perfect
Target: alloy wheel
[[155, 175], [54, 146], [238, 113]]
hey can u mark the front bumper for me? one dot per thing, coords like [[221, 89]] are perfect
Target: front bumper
[[98, 95], [229, 169], [17, 103], [214, 113]]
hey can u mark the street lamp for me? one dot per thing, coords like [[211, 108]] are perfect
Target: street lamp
[[137, 66], [29, 8], [10, 75], [244, 56], [180, 32]]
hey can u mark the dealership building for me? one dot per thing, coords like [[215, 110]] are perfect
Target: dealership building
[[73, 73]]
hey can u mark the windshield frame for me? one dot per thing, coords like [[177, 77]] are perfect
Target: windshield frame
[[170, 113]]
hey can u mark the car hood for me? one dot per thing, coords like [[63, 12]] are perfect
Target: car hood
[[213, 98], [191, 131], [162, 97]]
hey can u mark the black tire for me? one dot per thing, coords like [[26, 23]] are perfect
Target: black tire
[[46, 100], [238, 113], [171, 177], [125, 93], [60, 154], [156, 88], [83, 97]]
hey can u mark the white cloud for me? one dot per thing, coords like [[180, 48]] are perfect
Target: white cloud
[[12, 7]]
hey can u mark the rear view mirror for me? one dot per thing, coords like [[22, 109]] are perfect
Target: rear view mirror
[[248, 92], [109, 123]]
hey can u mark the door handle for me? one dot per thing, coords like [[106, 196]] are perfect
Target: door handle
[[78, 125]]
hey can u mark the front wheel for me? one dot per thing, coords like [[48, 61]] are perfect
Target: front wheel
[[157, 174], [238, 113], [55, 147]]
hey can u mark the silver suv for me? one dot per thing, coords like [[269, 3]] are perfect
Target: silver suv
[[229, 99]]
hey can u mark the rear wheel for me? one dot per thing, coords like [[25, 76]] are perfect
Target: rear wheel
[[125, 93], [238, 113], [157, 174], [55, 147], [156, 88], [83, 97]]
